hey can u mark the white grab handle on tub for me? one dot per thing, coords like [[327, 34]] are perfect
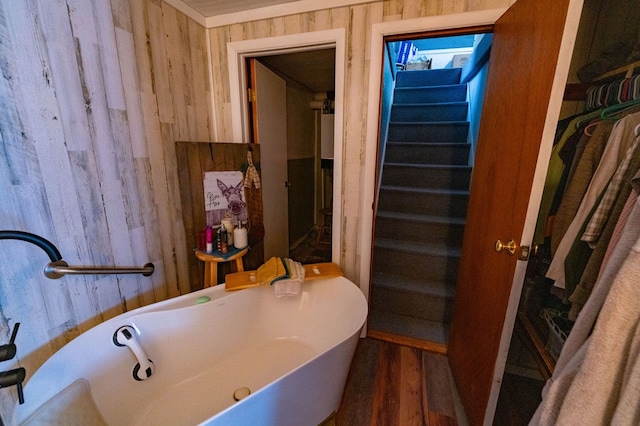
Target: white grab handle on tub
[[125, 336]]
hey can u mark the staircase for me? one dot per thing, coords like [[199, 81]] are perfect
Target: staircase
[[421, 207]]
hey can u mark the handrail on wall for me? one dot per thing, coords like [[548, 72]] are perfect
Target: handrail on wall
[[60, 268]]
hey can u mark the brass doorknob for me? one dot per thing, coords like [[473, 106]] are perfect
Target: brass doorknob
[[510, 246]]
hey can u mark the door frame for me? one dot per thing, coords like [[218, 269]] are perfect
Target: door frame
[[239, 51], [452, 22]]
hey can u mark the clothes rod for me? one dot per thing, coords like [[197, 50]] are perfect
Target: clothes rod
[[59, 268]]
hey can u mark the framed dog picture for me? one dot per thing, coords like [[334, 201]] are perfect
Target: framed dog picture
[[224, 196]]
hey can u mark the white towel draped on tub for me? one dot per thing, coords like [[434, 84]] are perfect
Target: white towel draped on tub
[[74, 405], [292, 285]]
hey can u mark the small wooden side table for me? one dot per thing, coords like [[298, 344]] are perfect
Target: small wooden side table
[[211, 261]]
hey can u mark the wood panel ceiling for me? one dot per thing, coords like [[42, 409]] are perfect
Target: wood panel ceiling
[[209, 8]]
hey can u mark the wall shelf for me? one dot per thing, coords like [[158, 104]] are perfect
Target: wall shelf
[[578, 91]]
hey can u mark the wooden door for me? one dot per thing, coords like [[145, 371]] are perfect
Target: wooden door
[[270, 130], [522, 68]]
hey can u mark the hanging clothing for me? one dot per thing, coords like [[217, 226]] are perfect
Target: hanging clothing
[[617, 231], [585, 168], [603, 212], [592, 267], [621, 137], [597, 376], [554, 174]]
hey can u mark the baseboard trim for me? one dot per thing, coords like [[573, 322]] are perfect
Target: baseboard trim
[[438, 348]]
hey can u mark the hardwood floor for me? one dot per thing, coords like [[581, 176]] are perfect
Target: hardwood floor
[[390, 384]]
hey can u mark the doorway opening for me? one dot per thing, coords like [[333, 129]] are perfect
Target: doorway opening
[[238, 52], [431, 105], [296, 90]]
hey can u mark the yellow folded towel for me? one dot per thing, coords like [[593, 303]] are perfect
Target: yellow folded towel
[[272, 270]]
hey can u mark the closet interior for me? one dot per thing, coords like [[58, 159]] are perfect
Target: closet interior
[[588, 184]]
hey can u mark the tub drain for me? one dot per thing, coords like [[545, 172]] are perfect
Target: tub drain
[[241, 393]]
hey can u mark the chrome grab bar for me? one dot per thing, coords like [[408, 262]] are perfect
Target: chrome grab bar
[[59, 268]]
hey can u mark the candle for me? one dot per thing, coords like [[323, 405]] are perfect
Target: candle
[[240, 238]]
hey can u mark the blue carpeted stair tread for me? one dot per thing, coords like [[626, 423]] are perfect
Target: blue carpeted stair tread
[[429, 112], [426, 143], [431, 123], [417, 247], [431, 104], [410, 189], [436, 77], [444, 153], [444, 131], [454, 86], [421, 144], [430, 166], [430, 94], [413, 217], [413, 285]]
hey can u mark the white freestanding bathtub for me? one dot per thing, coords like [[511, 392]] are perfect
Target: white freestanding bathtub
[[291, 355]]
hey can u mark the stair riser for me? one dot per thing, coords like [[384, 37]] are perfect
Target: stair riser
[[427, 177], [428, 77], [424, 306], [454, 154], [429, 113], [430, 95], [416, 265], [434, 233], [444, 205], [428, 132]]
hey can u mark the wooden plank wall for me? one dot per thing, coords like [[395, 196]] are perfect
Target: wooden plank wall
[[357, 20], [93, 96]]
